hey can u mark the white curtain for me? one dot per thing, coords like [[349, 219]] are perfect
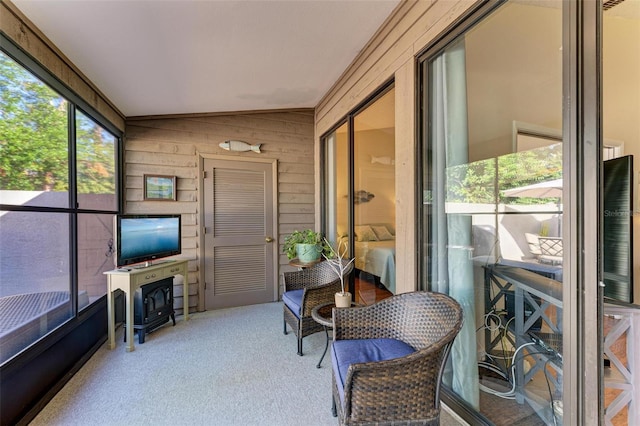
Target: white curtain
[[453, 266]]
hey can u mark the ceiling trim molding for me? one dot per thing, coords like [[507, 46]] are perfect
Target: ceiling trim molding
[[218, 114]]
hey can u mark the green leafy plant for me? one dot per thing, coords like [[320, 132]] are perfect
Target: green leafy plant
[[307, 236]]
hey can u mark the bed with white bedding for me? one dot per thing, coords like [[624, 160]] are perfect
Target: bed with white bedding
[[375, 252]]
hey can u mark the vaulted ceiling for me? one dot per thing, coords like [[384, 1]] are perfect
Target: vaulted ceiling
[[152, 57]]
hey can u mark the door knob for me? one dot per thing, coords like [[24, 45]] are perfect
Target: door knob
[[268, 239]]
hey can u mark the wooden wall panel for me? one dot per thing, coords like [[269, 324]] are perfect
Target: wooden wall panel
[[406, 241], [411, 27], [26, 35], [172, 145], [391, 54]]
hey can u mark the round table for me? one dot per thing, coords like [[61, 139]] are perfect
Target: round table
[[301, 265], [323, 315]]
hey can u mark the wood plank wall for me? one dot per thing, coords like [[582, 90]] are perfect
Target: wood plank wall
[[391, 55], [26, 35], [173, 145]]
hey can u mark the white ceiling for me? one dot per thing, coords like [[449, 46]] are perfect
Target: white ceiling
[[152, 57]]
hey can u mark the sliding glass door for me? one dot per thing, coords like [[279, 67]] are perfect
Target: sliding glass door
[[359, 192], [492, 182], [374, 195], [337, 225], [620, 239]]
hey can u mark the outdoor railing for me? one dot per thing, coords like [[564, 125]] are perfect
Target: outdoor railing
[[622, 374]]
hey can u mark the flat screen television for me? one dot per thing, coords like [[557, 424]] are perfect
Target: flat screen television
[[145, 238], [617, 253]]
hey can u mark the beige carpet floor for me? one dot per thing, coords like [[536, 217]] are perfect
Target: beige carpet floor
[[225, 367]]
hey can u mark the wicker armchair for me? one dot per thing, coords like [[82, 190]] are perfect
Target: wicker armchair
[[303, 291], [411, 336]]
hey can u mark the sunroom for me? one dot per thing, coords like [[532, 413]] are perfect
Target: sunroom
[[418, 156]]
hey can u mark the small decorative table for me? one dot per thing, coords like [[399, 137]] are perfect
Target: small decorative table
[[323, 315]]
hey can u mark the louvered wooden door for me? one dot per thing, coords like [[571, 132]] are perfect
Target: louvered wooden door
[[239, 211]]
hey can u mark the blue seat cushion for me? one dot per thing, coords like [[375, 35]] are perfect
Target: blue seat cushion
[[293, 299], [347, 352]]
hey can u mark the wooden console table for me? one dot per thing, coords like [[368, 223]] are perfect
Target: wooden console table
[[129, 279]]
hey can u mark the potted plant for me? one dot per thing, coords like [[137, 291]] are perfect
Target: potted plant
[[335, 259], [306, 245]]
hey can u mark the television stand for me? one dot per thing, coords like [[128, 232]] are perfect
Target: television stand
[[129, 281], [155, 262]]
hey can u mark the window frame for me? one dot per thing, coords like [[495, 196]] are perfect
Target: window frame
[[75, 103]]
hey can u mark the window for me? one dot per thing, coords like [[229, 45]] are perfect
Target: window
[[35, 148], [58, 192], [95, 165]]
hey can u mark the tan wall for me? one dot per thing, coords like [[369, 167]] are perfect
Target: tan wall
[[175, 145], [375, 178], [22, 31], [391, 54]]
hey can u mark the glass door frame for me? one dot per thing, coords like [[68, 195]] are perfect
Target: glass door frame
[[582, 153], [582, 292], [348, 120]]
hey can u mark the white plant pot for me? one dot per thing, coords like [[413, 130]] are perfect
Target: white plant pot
[[343, 300]]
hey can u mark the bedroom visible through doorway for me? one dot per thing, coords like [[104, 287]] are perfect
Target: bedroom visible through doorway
[[359, 191]]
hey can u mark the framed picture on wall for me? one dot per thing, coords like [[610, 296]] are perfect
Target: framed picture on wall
[[160, 187]]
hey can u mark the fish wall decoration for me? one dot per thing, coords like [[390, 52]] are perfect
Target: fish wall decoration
[[362, 197], [239, 146], [387, 161]]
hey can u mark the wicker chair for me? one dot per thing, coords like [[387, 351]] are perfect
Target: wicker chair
[[395, 388], [303, 291]]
